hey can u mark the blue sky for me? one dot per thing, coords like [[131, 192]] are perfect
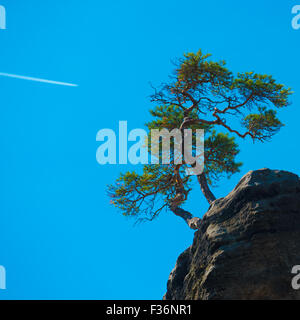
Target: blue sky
[[60, 238]]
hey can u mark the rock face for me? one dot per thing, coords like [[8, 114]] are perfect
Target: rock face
[[247, 244]]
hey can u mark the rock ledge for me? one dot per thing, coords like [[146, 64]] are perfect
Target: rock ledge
[[247, 244]]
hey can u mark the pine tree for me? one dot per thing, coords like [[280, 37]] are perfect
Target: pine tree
[[201, 94]]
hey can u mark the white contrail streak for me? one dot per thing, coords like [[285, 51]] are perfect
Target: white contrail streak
[[37, 79]]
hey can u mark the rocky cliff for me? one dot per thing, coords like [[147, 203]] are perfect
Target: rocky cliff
[[247, 244]]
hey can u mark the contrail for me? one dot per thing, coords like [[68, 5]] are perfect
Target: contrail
[[37, 79]]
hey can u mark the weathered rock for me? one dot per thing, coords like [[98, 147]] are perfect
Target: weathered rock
[[247, 244]]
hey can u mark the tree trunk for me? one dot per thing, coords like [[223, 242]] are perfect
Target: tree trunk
[[205, 188], [193, 222]]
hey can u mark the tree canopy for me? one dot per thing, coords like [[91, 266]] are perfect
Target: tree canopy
[[201, 94]]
